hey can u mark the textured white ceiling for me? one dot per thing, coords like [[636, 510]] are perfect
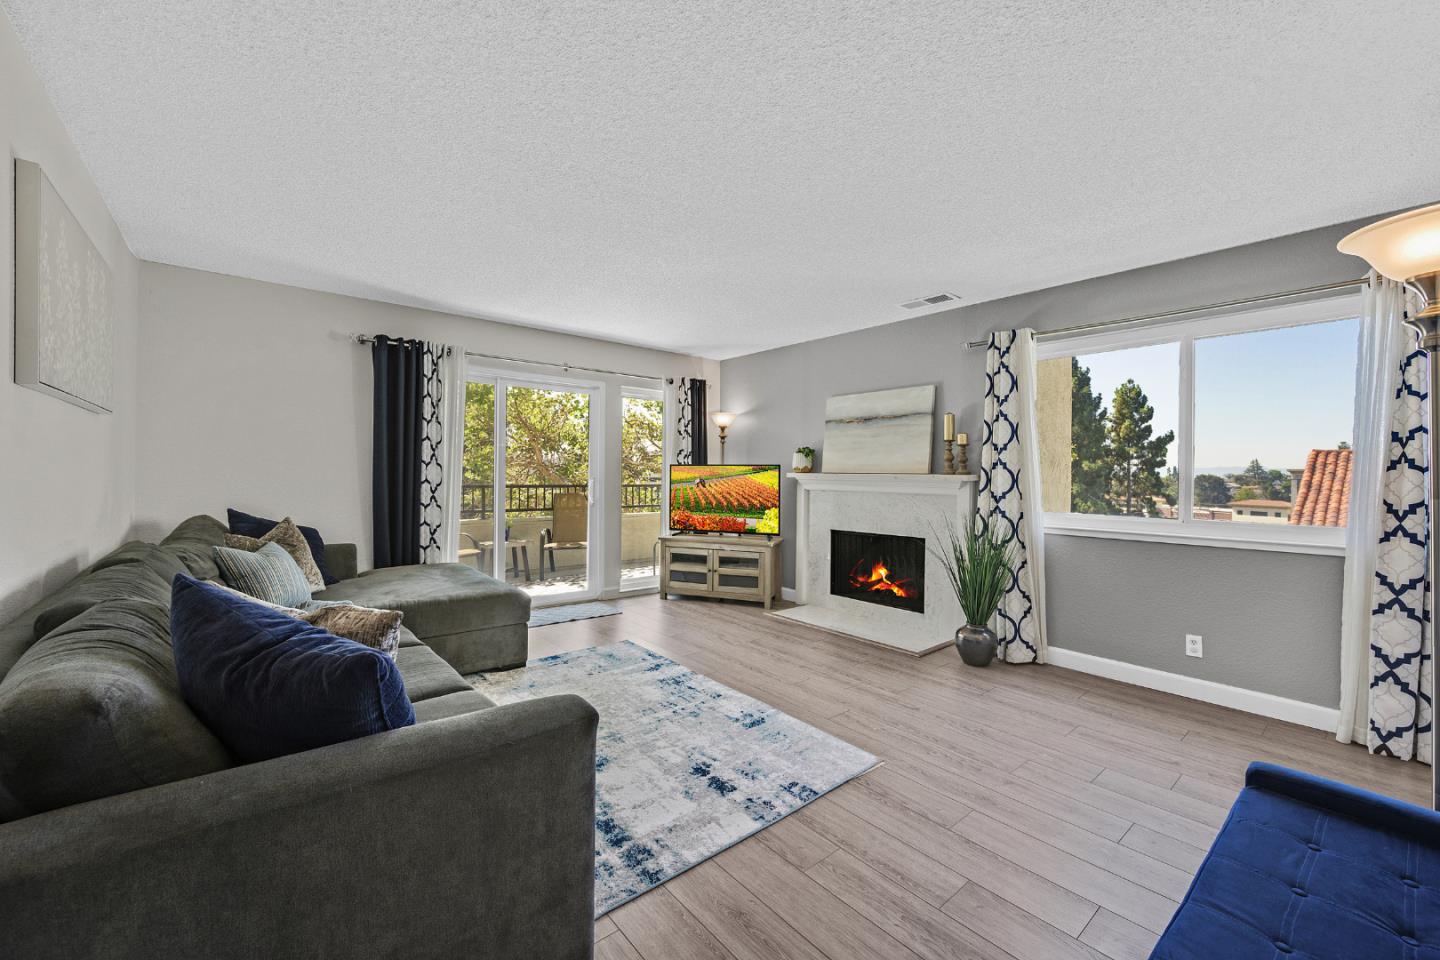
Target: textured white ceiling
[[723, 177]]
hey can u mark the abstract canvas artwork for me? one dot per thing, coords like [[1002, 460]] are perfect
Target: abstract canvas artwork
[[64, 299], [884, 431]]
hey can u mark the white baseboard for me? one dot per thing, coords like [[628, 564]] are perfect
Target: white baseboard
[[1237, 698], [788, 593]]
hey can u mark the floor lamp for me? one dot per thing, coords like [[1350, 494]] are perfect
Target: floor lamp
[[1406, 248], [723, 420]]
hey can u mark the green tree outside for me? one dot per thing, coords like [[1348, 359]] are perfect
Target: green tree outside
[[1264, 483], [1210, 490], [548, 437], [1089, 461], [1136, 455], [642, 441]]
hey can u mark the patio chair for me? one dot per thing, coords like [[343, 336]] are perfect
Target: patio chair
[[569, 527], [480, 549]]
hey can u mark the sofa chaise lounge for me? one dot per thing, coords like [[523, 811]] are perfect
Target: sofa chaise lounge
[[126, 830], [1313, 869]]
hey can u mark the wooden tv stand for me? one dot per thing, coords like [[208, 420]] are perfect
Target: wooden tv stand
[[719, 566]]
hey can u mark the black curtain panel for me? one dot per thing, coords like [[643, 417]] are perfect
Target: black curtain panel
[[699, 428], [399, 367]]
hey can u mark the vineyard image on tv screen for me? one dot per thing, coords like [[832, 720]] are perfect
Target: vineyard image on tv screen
[[725, 498]]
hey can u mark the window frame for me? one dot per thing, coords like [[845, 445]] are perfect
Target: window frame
[[1186, 529]]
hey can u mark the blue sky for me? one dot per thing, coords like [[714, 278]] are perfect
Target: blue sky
[[1273, 395]]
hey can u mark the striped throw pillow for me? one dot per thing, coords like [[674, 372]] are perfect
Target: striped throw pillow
[[268, 574], [288, 536]]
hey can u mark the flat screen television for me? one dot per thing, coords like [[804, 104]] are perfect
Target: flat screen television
[[725, 498]]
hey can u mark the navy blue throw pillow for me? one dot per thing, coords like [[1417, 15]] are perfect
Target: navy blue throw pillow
[[267, 684], [249, 525]]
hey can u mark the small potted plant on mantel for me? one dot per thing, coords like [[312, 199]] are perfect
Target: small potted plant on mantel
[[804, 460], [979, 565]]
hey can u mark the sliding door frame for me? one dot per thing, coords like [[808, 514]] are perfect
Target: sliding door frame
[[597, 549], [628, 390]]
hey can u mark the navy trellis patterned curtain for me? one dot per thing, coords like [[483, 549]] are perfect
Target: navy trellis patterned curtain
[[692, 433], [1402, 677], [1009, 491], [407, 476]]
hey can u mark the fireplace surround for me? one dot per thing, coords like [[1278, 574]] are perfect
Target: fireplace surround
[[911, 507]]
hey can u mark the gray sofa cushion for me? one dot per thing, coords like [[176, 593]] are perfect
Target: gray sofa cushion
[[123, 581], [155, 557], [437, 599], [15, 638], [94, 709], [17, 635], [451, 705], [426, 675], [193, 542]]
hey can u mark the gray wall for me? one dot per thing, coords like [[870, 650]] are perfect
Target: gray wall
[[67, 476], [281, 353], [1271, 621]]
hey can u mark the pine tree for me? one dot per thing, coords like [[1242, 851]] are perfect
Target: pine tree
[[1210, 490], [1089, 464], [1136, 455], [1267, 484]]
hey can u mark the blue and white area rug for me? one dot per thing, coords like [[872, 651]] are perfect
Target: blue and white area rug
[[685, 767], [545, 616]]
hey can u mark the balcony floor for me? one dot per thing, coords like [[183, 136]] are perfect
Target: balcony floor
[[571, 578]]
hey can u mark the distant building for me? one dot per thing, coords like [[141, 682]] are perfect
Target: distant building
[[1322, 497], [1168, 512], [1276, 511]]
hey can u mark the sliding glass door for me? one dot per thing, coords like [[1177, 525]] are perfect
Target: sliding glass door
[[642, 485], [527, 510]]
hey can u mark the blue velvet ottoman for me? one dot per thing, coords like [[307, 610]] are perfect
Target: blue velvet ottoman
[[1309, 869]]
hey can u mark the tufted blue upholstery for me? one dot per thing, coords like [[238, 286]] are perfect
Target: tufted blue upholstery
[[1309, 869]]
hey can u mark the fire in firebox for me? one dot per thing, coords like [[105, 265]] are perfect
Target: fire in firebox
[[878, 578], [880, 568]]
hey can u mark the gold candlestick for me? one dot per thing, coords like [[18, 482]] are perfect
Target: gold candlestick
[[962, 441], [949, 443]]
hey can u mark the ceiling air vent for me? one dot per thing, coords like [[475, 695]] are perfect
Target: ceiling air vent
[[935, 301]]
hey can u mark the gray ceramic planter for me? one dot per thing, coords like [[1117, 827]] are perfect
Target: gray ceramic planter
[[976, 645]]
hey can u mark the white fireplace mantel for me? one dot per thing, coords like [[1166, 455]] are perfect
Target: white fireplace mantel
[[886, 482], [911, 504]]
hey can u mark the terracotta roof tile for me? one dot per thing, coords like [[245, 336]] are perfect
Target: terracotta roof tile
[[1323, 499]]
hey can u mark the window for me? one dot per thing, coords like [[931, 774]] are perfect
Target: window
[[1232, 430]]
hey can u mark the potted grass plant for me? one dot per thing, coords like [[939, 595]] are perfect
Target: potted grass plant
[[979, 564]]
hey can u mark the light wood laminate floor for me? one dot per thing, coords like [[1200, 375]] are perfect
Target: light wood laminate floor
[[1021, 811]]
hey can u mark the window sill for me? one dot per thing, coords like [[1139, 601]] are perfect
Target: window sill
[[1321, 541]]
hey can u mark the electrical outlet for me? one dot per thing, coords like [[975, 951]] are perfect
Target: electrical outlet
[[1192, 646]]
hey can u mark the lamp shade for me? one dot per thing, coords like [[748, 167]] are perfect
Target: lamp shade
[[722, 419], [1401, 247]]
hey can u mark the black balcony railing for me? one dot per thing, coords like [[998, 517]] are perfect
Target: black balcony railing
[[477, 500]]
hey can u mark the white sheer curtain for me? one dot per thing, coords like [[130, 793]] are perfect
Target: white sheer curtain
[[1381, 552], [1009, 494]]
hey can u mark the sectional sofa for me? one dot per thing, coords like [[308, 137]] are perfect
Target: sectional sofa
[[126, 831]]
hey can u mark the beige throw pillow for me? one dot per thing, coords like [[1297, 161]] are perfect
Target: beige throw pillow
[[377, 629], [288, 536]]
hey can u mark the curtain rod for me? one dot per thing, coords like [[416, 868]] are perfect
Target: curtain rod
[[365, 338], [1246, 301]]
